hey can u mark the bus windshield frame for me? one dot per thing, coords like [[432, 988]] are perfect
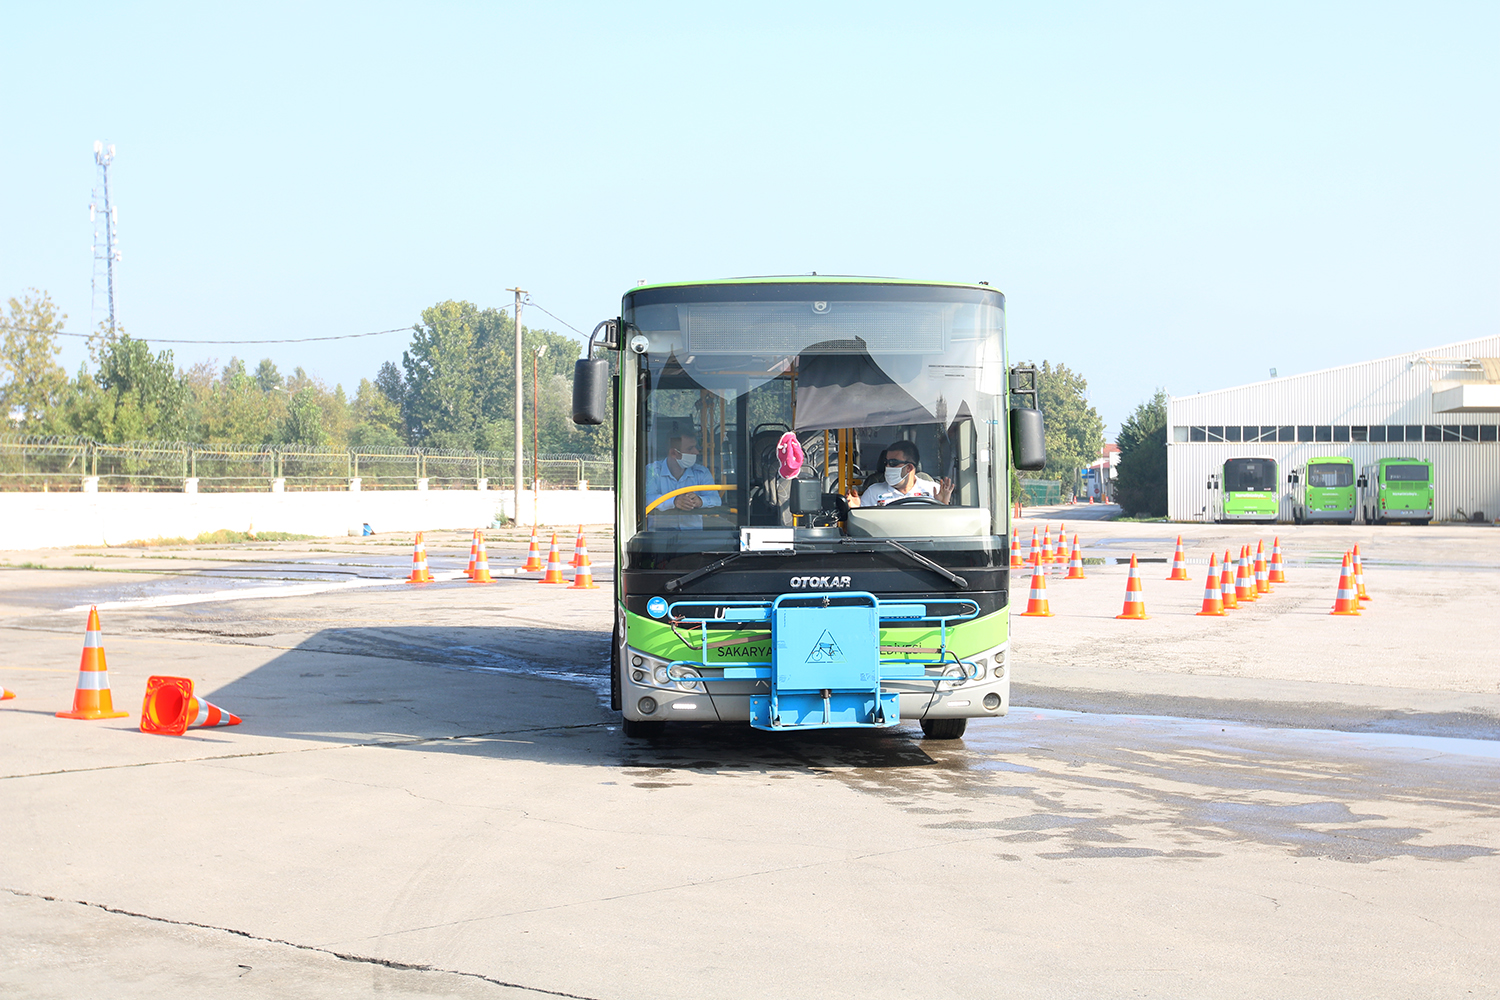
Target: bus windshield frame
[[1249, 475], [1407, 472], [1330, 475]]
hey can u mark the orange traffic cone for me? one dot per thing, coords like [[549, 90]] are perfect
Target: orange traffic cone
[[1262, 577], [481, 562], [1015, 549], [170, 708], [419, 573], [1032, 559], [1045, 554], [1213, 591], [1359, 576], [1244, 583], [1179, 563], [533, 557], [473, 554], [583, 575], [1276, 575], [1347, 601], [1060, 553], [1075, 563], [1135, 604], [554, 568], [92, 698], [1226, 584], [579, 549], [1036, 606], [6, 694]]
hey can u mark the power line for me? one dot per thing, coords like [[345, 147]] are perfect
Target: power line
[[154, 340], [564, 322]]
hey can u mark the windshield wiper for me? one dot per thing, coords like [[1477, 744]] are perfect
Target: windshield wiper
[[682, 581], [941, 571]]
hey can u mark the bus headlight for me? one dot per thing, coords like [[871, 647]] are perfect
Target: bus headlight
[[646, 705], [685, 678], [662, 676]]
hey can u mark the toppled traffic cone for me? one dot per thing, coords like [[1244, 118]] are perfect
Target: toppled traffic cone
[[579, 549], [1262, 577], [481, 572], [1347, 600], [1359, 576], [1015, 549], [170, 708], [583, 575], [1213, 591], [92, 698], [533, 557], [1226, 584], [554, 568], [1036, 606], [1075, 563], [1244, 582], [6, 694], [1135, 603], [1277, 574], [473, 554], [1179, 563], [419, 572]]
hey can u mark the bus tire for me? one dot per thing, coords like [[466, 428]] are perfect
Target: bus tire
[[640, 729], [944, 729], [1424, 521]]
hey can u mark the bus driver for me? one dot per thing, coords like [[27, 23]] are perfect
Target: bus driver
[[901, 461], [680, 468]]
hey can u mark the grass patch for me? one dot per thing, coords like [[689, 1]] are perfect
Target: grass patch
[[223, 536], [1142, 520], [37, 565]]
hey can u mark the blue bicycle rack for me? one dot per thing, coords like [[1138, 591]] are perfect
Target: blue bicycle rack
[[826, 668]]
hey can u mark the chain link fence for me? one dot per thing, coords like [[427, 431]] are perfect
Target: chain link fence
[[68, 464], [1040, 492]]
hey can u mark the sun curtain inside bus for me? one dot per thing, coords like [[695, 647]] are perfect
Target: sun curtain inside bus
[[1249, 475], [1330, 475], [1406, 473], [849, 369]]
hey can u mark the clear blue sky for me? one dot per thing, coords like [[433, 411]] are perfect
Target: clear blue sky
[[1175, 194]]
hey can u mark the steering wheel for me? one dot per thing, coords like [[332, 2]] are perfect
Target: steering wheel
[[916, 502]]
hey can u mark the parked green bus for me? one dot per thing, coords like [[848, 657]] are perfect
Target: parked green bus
[[1244, 489], [812, 501], [1396, 489], [1323, 490]]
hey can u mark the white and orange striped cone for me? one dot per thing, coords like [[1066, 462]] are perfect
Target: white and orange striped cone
[[6, 694], [1359, 576], [92, 698], [534, 556], [583, 575], [554, 568], [1262, 576], [419, 571], [1045, 554], [1213, 592], [1031, 550], [473, 554], [1244, 581], [1135, 602], [1226, 584], [481, 562], [1277, 573], [1347, 600], [1015, 549], [579, 549], [1075, 563], [171, 708], [1036, 605], [1060, 553], [1179, 563]]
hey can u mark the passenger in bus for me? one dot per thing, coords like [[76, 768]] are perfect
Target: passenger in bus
[[902, 461], [680, 468]]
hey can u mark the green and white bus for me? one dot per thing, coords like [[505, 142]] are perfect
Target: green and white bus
[[1396, 489], [749, 588], [1323, 490], [1244, 489]]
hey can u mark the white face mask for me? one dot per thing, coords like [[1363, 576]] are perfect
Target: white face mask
[[894, 476], [687, 461]]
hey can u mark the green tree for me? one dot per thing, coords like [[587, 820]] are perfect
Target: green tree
[[1075, 432], [1141, 479], [31, 380], [134, 396], [456, 376], [303, 423], [375, 416], [267, 377]]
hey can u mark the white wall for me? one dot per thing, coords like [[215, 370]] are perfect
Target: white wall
[[46, 520]]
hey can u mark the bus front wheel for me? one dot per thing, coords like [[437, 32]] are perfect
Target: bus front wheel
[[640, 729], [944, 729]]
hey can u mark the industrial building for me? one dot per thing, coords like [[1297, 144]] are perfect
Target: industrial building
[[1441, 405]]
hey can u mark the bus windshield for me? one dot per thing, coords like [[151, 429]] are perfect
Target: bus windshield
[[1330, 475], [1249, 475], [1406, 473], [847, 370]]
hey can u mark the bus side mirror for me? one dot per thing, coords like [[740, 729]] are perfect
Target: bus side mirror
[[590, 391], [1361, 482], [1028, 439]]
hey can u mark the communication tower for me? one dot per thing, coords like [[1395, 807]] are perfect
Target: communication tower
[[105, 218]]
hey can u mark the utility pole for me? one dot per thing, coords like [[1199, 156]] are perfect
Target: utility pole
[[107, 242], [520, 400]]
